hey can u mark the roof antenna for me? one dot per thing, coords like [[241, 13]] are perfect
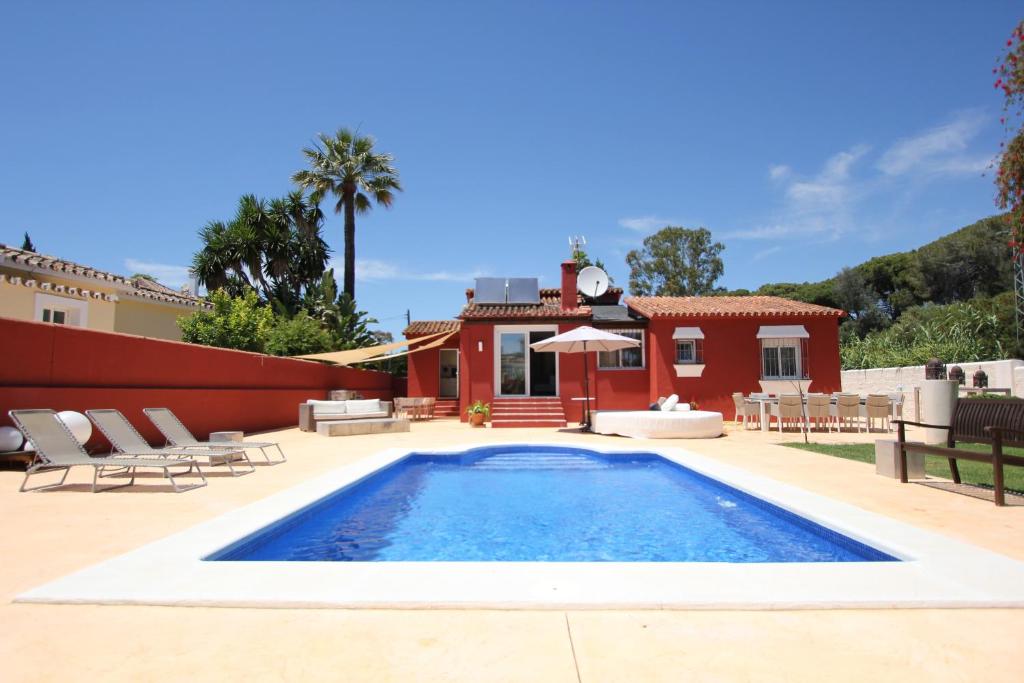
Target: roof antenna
[[576, 244]]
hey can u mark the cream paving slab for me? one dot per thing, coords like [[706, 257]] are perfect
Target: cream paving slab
[[47, 535]]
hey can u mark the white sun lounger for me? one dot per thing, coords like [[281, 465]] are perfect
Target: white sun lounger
[[123, 436], [57, 449], [179, 436]]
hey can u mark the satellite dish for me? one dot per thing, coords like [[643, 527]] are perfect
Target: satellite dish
[[592, 282]]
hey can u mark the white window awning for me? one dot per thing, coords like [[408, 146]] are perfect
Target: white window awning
[[782, 332], [687, 333]]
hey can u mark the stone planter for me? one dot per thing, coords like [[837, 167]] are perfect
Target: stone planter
[[938, 398]]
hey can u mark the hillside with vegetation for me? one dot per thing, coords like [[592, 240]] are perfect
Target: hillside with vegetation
[[951, 299]]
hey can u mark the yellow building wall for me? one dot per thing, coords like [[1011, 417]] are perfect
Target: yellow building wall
[[149, 319], [19, 301], [144, 318]]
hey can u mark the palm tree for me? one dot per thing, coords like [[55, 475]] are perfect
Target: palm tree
[[347, 167]]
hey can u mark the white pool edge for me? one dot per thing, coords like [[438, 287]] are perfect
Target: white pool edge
[[936, 572]]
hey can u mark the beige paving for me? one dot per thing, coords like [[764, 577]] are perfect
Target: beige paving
[[47, 535]]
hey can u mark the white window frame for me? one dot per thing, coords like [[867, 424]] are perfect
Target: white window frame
[[76, 313], [618, 354], [777, 344]]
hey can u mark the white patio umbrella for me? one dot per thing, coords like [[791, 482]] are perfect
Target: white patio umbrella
[[582, 340]]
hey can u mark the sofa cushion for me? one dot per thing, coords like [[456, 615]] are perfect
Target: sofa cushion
[[681, 407], [324, 408], [670, 403], [363, 407]]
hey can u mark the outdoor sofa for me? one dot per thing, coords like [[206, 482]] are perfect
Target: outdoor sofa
[[313, 411]]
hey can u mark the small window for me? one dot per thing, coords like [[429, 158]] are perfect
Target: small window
[[630, 358], [783, 359], [55, 316], [689, 351]]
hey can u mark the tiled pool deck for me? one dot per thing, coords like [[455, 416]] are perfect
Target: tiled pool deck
[[48, 535]]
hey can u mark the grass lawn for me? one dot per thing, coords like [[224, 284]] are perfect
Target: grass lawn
[[970, 472]]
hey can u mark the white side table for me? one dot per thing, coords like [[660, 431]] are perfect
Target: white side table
[[227, 436]]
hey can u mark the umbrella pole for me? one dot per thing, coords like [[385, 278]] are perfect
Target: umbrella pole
[[586, 389]]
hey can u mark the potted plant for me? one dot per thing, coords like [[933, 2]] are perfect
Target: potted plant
[[478, 413]]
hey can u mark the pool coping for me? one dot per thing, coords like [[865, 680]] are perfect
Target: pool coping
[[936, 571]]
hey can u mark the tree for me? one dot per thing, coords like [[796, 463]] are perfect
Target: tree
[[233, 323], [337, 313], [26, 244], [675, 262], [346, 167], [296, 336], [1010, 174], [272, 247]]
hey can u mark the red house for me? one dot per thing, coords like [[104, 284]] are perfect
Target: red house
[[702, 348]]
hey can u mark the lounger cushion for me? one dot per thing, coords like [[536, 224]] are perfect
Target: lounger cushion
[[670, 403], [363, 407]]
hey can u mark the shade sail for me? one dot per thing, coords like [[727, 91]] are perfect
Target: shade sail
[[782, 332], [583, 339], [431, 345], [688, 333], [357, 355]]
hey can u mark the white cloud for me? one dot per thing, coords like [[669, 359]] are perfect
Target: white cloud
[[369, 270], [779, 171], [167, 274], [645, 223], [937, 150], [765, 253]]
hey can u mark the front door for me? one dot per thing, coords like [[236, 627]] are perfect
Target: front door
[[521, 371], [449, 387]]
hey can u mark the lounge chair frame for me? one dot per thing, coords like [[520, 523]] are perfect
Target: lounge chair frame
[[47, 460], [177, 434], [128, 439]]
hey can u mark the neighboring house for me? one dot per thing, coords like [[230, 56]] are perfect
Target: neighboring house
[[702, 348], [48, 289]]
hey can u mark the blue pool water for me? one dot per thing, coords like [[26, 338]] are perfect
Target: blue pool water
[[545, 504]]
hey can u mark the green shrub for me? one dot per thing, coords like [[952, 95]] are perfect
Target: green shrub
[[299, 335], [234, 323]]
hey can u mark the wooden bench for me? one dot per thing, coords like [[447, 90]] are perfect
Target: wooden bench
[[992, 421]]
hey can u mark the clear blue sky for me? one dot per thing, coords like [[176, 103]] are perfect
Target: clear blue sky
[[806, 136]]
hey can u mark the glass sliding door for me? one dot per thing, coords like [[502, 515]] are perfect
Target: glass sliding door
[[543, 377], [512, 364]]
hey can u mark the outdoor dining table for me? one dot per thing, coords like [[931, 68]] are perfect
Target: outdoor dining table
[[767, 401]]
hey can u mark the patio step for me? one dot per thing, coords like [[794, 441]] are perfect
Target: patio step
[[527, 412], [446, 408]]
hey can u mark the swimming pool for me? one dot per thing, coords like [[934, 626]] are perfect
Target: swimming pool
[[932, 571], [545, 504]]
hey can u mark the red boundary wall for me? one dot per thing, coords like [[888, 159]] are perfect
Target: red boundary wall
[[210, 389]]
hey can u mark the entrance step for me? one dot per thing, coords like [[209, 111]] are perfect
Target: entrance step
[[533, 411], [446, 407]]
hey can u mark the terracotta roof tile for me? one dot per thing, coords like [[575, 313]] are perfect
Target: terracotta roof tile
[[420, 328], [138, 287], [727, 306], [521, 312]]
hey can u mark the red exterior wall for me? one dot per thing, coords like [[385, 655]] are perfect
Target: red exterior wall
[[732, 357], [68, 368], [425, 369]]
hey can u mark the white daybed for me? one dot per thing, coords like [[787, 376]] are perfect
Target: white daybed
[[677, 422]]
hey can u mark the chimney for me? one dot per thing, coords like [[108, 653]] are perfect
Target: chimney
[[568, 285]]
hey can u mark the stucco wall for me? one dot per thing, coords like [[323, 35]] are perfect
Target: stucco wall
[[425, 368], [18, 301], [1008, 374], [148, 319], [69, 368]]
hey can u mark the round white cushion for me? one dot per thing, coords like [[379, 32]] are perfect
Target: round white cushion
[[655, 424]]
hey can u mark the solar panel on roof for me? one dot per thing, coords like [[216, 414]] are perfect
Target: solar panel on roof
[[489, 290], [523, 290]]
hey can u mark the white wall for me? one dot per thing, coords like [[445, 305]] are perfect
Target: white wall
[[1008, 374]]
